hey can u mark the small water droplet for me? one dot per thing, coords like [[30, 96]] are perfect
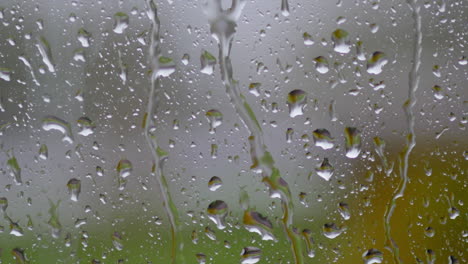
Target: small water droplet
[[344, 210], [5, 74], [84, 37], [331, 230], [254, 89], [437, 92], [215, 118], [43, 152], [15, 170], [307, 39], [124, 168], [325, 170], [117, 241], [429, 231], [321, 64], [285, 8], [185, 59], [166, 67], [208, 61], [3, 203], [210, 233]]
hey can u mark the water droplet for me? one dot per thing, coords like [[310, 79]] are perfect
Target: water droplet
[[341, 42], [256, 223], [376, 62], [194, 237], [54, 222], [44, 49], [201, 258], [117, 241], [215, 183], [429, 231], [55, 123], [15, 169], [215, 118], [124, 168], [321, 64], [307, 234], [15, 229], [325, 170], [86, 125], [217, 212], [250, 255], [121, 21], [361, 54], [463, 61], [372, 256], [322, 138], [19, 256], [289, 135], [254, 89], [353, 142], [166, 67], [210, 233], [436, 71], [285, 8], [344, 210], [74, 189], [437, 92], [453, 212], [297, 100], [307, 39], [3, 203], [43, 152], [208, 61], [331, 230], [185, 59], [5, 74], [84, 37]]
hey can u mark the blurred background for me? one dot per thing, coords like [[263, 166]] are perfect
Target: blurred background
[[76, 181]]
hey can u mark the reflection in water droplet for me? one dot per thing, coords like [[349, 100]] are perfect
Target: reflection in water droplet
[[256, 223], [217, 212], [74, 189], [331, 230], [208, 61], [341, 42], [124, 168], [121, 21], [215, 183], [44, 49], [250, 255], [86, 125], [322, 138], [297, 100], [325, 170], [321, 64], [372, 256], [55, 123], [376, 62], [353, 142], [431, 256], [215, 118]]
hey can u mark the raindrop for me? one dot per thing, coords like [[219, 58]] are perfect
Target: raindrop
[[43, 152], [84, 37], [54, 222], [74, 189], [19, 256], [117, 241], [321, 64], [353, 142], [254, 89], [250, 255], [296, 102], [166, 67], [201, 258], [5, 74], [376, 62], [217, 212], [256, 223], [3, 203], [341, 42], [285, 8], [437, 92], [15, 169], [344, 210], [429, 231], [86, 125], [208, 61], [44, 49], [185, 59], [325, 170], [215, 183], [121, 21], [124, 168], [372, 256], [55, 123], [215, 118], [307, 39], [322, 138], [210, 233], [331, 230]]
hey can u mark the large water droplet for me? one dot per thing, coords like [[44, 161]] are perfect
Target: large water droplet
[[341, 42], [250, 255], [297, 100], [74, 189], [217, 212], [55, 123], [215, 118], [331, 230], [120, 22], [325, 170], [353, 142], [372, 256], [376, 62], [322, 138]]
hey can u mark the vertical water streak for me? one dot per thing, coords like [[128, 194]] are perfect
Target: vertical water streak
[[223, 26], [159, 155], [408, 106]]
